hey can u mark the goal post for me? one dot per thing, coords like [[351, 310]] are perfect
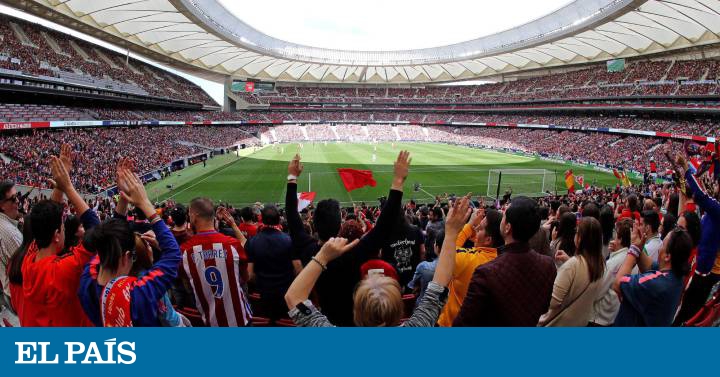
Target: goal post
[[526, 182]]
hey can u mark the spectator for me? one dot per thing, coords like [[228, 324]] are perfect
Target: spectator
[[248, 224], [434, 226], [425, 270], [336, 286], [487, 238], [578, 280], [216, 267], [706, 271], [10, 236], [122, 279], [51, 282], [180, 225], [607, 304], [377, 300], [652, 298], [564, 239], [522, 277], [404, 248], [272, 264], [15, 271]]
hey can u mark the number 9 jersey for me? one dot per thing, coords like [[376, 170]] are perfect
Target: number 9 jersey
[[216, 267]]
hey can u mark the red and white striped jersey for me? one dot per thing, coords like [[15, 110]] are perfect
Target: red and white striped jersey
[[216, 266]]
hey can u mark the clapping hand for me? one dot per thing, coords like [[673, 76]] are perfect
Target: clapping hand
[[224, 215], [132, 190], [637, 237], [61, 176], [458, 215]]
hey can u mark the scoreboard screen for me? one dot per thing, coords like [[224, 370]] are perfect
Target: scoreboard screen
[[240, 86]]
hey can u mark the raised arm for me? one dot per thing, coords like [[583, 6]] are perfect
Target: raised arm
[[455, 220], [374, 239], [226, 217], [155, 283], [298, 235], [121, 208]]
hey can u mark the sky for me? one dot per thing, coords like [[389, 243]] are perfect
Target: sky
[[363, 25]]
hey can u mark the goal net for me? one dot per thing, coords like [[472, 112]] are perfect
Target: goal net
[[526, 182]]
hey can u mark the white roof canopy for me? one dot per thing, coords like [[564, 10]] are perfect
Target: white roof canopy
[[203, 38]]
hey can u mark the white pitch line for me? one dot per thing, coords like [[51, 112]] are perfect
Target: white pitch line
[[427, 193], [216, 172]]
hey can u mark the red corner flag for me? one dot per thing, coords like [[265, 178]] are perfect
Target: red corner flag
[[355, 179]]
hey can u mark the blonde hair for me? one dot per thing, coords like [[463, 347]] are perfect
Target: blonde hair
[[378, 302]]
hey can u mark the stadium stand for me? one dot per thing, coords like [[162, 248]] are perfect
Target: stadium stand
[[93, 148], [35, 50]]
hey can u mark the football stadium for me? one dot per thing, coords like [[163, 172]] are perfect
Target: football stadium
[[184, 163]]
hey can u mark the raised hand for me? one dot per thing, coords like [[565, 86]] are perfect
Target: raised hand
[[66, 156], [61, 177], [477, 217], [224, 215], [681, 162], [334, 248], [132, 190], [402, 165], [637, 237], [295, 167], [458, 215]]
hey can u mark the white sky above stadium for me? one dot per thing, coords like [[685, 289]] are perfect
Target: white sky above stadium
[[372, 25], [369, 25]]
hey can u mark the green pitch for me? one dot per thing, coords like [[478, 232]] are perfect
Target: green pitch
[[260, 175]]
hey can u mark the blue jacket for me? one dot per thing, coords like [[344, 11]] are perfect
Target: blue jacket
[[710, 224], [148, 293]]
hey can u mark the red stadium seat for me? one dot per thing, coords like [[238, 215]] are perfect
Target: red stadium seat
[[408, 304], [260, 322], [285, 322], [708, 315], [193, 315]]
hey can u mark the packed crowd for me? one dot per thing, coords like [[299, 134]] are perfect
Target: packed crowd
[[625, 256], [37, 50], [99, 148], [610, 150], [640, 78]]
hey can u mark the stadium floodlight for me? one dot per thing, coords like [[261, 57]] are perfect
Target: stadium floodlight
[[527, 182]]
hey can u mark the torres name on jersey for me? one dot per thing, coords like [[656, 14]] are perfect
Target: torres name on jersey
[[216, 266]]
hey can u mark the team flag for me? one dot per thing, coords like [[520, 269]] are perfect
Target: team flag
[[626, 180], [580, 180], [354, 179], [305, 199], [570, 181], [617, 174]]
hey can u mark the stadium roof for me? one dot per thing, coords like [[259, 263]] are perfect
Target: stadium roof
[[203, 38]]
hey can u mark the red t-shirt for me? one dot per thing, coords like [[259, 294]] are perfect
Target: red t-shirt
[[248, 230], [216, 266], [50, 287]]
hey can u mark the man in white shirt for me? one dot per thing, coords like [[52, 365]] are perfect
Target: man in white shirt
[[10, 235]]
